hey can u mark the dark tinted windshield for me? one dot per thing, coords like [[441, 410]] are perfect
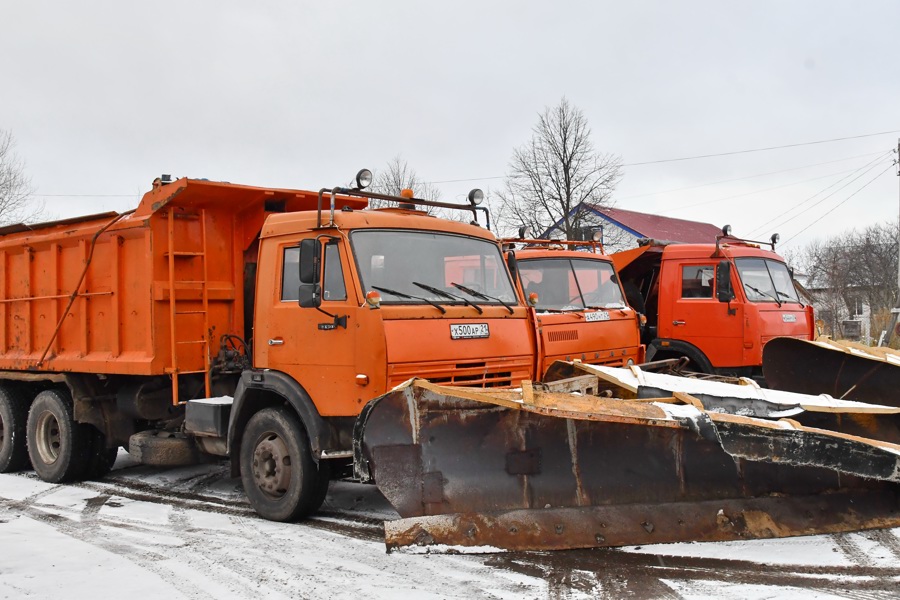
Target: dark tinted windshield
[[394, 259]]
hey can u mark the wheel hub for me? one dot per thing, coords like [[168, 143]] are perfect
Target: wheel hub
[[272, 465], [48, 437]]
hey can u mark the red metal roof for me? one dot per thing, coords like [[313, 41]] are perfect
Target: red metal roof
[[661, 228]]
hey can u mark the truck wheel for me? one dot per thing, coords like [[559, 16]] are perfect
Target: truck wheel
[[57, 445], [277, 470], [100, 458], [13, 417]]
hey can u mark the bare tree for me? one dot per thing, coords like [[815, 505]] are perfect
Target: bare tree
[[16, 204], [554, 175], [398, 176], [852, 275]]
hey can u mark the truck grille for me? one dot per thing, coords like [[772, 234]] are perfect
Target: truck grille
[[569, 335], [491, 373]]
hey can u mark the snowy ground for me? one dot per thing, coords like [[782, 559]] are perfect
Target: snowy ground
[[189, 533]]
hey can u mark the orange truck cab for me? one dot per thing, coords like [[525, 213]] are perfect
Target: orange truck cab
[[716, 304], [579, 308]]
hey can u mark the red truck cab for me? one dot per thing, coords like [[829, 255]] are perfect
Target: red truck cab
[[716, 304]]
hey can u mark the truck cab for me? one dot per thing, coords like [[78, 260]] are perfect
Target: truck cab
[[578, 305], [716, 304]]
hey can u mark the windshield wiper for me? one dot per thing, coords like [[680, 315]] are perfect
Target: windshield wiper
[[762, 293], [409, 297], [472, 292], [441, 292]]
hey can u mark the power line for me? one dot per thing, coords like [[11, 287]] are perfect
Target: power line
[[667, 160], [842, 202], [693, 187], [753, 193], [865, 169], [683, 158]]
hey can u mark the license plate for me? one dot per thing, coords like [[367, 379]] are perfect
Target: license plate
[[788, 318], [469, 330], [597, 315]]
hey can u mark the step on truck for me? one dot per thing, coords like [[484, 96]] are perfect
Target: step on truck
[[579, 307], [715, 304], [304, 337]]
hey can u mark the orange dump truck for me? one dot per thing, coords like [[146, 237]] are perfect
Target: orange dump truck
[[247, 322], [580, 309], [716, 304]]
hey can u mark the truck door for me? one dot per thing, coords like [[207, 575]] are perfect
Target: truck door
[[698, 318], [317, 350]]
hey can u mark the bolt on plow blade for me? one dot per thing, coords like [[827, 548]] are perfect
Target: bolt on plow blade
[[530, 469]]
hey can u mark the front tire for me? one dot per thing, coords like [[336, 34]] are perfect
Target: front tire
[[13, 419], [277, 470], [57, 445]]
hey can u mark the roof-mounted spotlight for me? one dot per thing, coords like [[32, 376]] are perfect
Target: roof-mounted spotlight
[[775, 239], [524, 232], [363, 179], [726, 230], [476, 197], [597, 236]]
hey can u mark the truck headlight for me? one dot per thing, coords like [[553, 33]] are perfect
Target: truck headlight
[[363, 179], [476, 197]]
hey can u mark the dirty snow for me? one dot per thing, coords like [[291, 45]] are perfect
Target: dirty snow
[[190, 534]]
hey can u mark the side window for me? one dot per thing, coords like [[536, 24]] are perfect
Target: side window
[[333, 288], [290, 275], [697, 281]]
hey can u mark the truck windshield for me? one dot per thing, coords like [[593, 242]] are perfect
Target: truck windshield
[[423, 266], [766, 280], [571, 283]]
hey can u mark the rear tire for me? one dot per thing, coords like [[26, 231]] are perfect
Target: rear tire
[[279, 476], [13, 420], [57, 445]]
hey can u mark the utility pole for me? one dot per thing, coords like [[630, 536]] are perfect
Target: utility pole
[[896, 310]]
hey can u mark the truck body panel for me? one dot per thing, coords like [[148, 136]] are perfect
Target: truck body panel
[[135, 261]]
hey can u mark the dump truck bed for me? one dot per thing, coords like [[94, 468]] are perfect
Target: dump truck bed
[[94, 294]]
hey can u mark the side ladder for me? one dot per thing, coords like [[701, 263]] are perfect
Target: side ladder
[[173, 256]]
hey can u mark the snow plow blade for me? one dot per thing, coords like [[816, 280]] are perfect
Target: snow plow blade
[[546, 467], [839, 368]]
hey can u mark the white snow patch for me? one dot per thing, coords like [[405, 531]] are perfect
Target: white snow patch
[[220, 400], [815, 550], [37, 561], [447, 549]]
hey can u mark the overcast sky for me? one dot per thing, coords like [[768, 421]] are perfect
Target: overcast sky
[[104, 96]]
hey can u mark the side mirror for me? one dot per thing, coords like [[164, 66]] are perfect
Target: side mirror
[[310, 295], [513, 266], [724, 292], [310, 261]]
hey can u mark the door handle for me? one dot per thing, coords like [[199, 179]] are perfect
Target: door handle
[[276, 342], [673, 323]]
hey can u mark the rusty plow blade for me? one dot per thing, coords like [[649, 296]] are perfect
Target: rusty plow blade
[[538, 469], [840, 368]]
